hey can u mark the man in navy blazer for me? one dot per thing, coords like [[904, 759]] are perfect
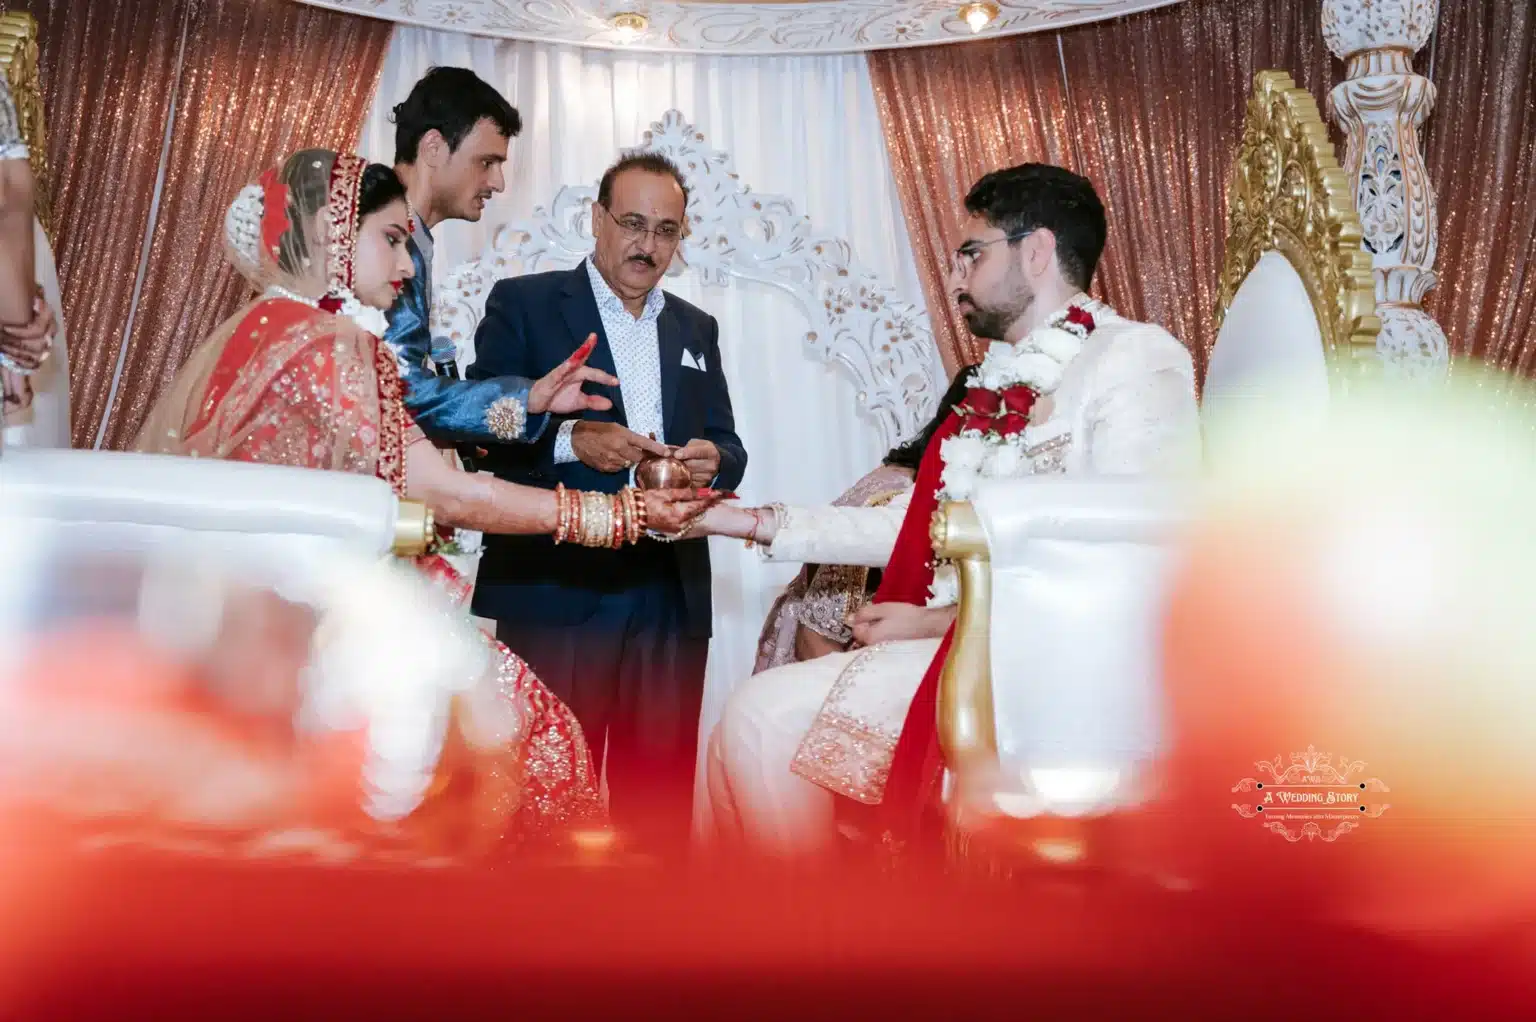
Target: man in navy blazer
[[621, 636]]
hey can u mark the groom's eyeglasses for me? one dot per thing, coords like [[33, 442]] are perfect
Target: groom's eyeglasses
[[966, 255], [635, 226]]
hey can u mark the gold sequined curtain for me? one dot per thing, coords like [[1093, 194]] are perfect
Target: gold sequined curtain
[[1150, 107], [261, 78], [1480, 144], [952, 113], [1157, 113], [107, 70]]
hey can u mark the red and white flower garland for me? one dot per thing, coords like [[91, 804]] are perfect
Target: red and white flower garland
[[990, 443]]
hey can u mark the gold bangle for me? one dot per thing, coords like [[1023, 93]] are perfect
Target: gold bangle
[[627, 495], [587, 514], [637, 513], [603, 537], [599, 519]]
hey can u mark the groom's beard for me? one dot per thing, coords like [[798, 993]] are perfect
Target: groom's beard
[[991, 322]]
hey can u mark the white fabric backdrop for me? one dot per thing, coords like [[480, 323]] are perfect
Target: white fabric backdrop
[[805, 127]]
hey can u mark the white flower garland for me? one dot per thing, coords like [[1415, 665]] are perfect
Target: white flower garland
[[242, 227], [369, 318], [1036, 362], [366, 316]]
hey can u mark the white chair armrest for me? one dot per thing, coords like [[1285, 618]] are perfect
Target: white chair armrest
[[1101, 509], [263, 516]]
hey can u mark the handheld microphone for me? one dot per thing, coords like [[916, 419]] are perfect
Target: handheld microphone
[[445, 357]]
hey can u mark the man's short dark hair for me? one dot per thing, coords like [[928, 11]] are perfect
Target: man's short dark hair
[[453, 100], [1034, 195], [653, 162]]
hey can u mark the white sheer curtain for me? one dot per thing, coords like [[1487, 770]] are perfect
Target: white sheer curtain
[[804, 127]]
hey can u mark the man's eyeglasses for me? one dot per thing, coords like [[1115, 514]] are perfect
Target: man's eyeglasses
[[965, 256], [635, 226]]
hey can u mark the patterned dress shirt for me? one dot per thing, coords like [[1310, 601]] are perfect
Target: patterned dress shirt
[[636, 357]]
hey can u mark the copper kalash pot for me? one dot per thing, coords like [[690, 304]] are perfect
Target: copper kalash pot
[[662, 472]]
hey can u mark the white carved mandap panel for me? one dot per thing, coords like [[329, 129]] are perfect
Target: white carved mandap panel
[[857, 321]]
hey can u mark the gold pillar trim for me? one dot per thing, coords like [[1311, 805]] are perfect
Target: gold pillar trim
[[1289, 194], [18, 58], [967, 730], [414, 529]]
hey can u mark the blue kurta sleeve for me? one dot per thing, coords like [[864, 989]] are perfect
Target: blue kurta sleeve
[[452, 410]]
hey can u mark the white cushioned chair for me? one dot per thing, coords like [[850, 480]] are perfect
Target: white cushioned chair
[[1050, 702], [265, 519]]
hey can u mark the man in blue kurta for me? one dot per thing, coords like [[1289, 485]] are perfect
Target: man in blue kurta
[[451, 137]]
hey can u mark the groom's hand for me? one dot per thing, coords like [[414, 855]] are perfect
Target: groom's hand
[[891, 622], [610, 447]]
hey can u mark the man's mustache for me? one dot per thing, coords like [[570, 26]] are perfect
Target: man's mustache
[[643, 260]]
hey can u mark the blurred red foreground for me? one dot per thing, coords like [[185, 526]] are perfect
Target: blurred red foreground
[[121, 937]]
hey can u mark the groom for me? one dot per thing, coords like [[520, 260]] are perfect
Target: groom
[[1103, 395], [451, 137]]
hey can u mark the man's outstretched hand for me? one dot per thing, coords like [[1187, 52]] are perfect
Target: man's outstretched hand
[[560, 391]]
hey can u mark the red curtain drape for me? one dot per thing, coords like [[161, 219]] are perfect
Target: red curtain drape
[[1150, 107]]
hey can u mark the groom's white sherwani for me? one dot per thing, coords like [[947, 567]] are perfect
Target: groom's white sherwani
[[791, 737]]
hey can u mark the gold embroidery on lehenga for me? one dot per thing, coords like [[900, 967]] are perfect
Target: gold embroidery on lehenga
[[836, 591]]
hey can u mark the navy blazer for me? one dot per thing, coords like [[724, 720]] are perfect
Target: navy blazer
[[531, 325]]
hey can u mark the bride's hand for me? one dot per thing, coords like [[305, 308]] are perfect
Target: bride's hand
[[560, 391], [670, 511]]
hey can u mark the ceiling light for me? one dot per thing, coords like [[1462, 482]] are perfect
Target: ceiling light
[[978, 15], [629, 26]]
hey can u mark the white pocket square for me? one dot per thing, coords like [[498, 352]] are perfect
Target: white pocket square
[[693, 361]]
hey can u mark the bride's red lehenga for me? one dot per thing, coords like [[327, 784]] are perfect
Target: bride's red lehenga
[[286, 382]]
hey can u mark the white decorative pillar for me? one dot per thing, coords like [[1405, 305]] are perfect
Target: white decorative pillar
[[1381, 106]]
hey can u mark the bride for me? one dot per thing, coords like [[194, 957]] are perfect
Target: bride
[[300, 377]]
